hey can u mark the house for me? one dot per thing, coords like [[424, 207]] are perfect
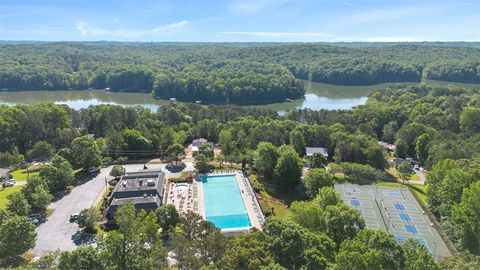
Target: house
[[387, 146], [3, 173], [313, 150], [143, 188], [197, 143], [397, 161], [147, 203]]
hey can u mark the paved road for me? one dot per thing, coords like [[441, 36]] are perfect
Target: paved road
[[58, 232], [421, 176]]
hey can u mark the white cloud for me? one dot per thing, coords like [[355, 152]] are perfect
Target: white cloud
[[103, 33], [171, 27], [81, 27], [279, 35]]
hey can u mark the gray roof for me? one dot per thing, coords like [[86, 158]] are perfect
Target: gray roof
[[3, 171], [141, 180], [137, 200], [198, 142], [135, 185], [148, 203], [312, 150]]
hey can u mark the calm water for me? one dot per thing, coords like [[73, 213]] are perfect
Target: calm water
[[317, 96]]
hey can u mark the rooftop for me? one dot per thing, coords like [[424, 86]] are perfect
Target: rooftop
[[312, 150], [141, 180], [136, 200], [3, 172], [198, 142]]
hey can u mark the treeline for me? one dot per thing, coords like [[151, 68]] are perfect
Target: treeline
[[327, 243], [216, 73], [188, 73], [438, 126], [234, 82], [370, 65]]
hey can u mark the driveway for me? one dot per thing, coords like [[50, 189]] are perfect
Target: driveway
[[58, 233], [421, 176]]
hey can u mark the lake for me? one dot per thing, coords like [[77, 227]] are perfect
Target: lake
[[318, 96]]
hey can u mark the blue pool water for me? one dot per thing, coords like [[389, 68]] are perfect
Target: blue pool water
[[223, 202]]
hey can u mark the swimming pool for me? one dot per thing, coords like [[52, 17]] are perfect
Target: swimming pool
[[223, 202]]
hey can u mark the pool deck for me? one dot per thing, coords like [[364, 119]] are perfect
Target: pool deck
[[249, 199], [182, 199]]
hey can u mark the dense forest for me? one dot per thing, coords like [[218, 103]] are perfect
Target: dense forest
[[439, 126], [233, 73]]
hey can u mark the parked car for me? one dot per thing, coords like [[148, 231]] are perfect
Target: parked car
[[33, 220], [74, 217], [9, 183], [416, 167], [93, 170]]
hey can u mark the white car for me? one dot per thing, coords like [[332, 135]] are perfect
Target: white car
[[74, 217], [10, 183]]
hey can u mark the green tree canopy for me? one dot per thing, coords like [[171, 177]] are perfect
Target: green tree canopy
[[316, 179], [41, 151], [82, 258], [17, 235], [288, 169], [175, 152], [88, 218], [470, 119], [466, 217], [85, 152], [58, 175], [17, 204], [246, 252], [117, 171], [167, 217], [297, 141], [265, 159], [294, 247], [37, 194], [370, 249]]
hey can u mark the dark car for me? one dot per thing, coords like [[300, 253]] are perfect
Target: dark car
[[93, 170], [74, 217]]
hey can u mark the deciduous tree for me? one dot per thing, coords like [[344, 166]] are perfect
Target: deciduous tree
[[288, 169], [17, 235], [85, 152]]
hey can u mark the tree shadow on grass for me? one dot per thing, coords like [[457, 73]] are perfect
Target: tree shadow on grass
[[285, 196]]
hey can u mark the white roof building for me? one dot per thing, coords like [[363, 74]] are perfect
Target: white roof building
[[312, 150]]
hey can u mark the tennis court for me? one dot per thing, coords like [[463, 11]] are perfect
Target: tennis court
[[396, 211]]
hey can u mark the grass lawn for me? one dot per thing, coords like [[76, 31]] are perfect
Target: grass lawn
[[419, 191], [5, 192], [392, 171], [271, 199], [22, 175]]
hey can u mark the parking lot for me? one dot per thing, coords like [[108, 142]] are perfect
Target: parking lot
[[58, 233], [396, 211]]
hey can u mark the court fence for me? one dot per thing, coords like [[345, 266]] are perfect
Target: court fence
[[436, 224]]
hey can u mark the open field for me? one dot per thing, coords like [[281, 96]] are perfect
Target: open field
[[4, 192], [23, 175]]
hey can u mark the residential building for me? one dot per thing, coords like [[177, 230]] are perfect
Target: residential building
[[143, 188], [320, 150]]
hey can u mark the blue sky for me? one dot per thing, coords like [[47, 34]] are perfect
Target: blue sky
[[241, 20]]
